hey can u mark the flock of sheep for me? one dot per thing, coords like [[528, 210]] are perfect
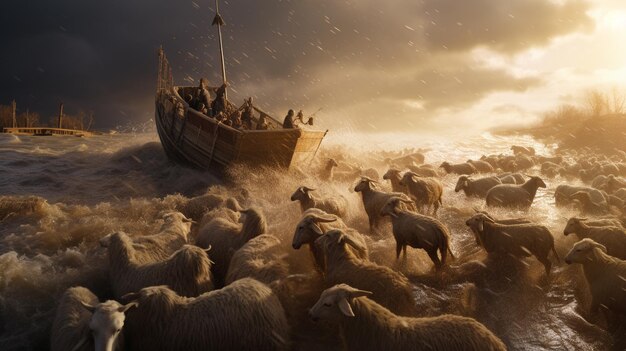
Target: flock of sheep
[[215, 277]]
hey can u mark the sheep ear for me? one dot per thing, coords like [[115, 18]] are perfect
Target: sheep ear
[[481, 225], [345, 307], [189, 220], [316, 228], [130, 296], [128, 306], [88, 307], [341, 238], [600, 246], [324, 219]]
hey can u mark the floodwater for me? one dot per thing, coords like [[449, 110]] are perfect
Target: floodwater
[[59, 195]]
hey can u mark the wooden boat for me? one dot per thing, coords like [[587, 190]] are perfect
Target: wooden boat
[[192, 138]]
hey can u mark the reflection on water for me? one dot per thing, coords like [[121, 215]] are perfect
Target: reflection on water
[[61, 194]]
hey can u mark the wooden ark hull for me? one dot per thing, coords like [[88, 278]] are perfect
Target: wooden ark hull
[[194, 139]]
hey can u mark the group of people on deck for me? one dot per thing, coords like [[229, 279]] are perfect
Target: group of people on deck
[[239, 119]]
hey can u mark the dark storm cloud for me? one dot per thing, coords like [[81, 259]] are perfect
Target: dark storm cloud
[[339, 54]]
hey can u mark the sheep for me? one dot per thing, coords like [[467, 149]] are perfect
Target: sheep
[[481, 166], [327, 172], [225, 237], [554, 159], [515, 196], [423, 171], [563, 194], [611, 236], [511, 178], [394, 177], [404, 161], [460, 168], [390, 288], [229, 211], [335, 205], [423, 191], [82, 323], [187, 271], [314, 225], [604, 274], [519, 240], [261, 258], [523, 150], [174, 233], [366, 325], [245, 315], [297, 293], [587, 206], [374, 200], [195, 207], [613, 184], [418, 231], [478, 187]]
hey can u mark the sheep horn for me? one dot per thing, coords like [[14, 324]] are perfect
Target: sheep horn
[[128, 306], [208, 249], [324, 219], [368, 179], [132, 296], [88, 307], [307, 189], [80, 344]]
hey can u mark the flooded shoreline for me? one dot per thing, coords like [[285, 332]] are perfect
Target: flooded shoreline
[[59, 196]]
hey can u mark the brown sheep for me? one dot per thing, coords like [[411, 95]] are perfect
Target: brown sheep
[[225, 237], [425, 192], [460, 168], [374, 200], [515, 196], [333, 205], [390, 288], [519, 240], [366, 325], [245, 315], [261, 258], [611, 236], [187, 271]]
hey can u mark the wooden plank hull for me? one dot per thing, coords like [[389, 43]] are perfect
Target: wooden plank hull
[[197, 140]]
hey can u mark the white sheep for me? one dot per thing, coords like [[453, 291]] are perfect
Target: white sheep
[[174, 233], [335, 205], [481, 166], [587, 206], [518, 240], [82, 323], [605, 275], [515, 196], [477, 187], [424, 191], [245, 315], [374, 200], [225, 237], [563, 194], [366, 325], [187, 271], [418, 231], [391, 289], [261, 258]]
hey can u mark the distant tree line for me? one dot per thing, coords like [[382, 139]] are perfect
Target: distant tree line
[[595, 103], [81, 120]]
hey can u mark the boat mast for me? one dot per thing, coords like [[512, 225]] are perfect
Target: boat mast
[[220, 22]]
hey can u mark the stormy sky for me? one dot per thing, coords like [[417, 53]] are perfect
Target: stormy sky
[[370, 65]]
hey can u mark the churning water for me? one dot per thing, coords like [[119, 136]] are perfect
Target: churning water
[[59, 195]]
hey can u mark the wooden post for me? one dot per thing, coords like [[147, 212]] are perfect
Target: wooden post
[[220, 22], [13, 112], [60, 126]]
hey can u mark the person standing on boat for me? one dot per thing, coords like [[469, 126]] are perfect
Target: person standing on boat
[[219, 104], [203, 97], [248, 114], [288, 122]]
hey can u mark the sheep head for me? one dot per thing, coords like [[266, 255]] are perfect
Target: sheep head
[[106, 323], [408, 178], [462, 183], [391, 206], [392, 173], [585, 251], [477, 222], [331, 163], [446, 166], [302, 193], [538, 182], [335, 302], [308, 230], [573, 225], [364, 184]]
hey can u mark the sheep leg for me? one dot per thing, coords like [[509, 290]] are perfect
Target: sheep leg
[[398, 250], [404, 251], [433, 256], [546, 263]]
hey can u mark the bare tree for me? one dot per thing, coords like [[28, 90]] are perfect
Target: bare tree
[[617, 101], [596, 102]]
